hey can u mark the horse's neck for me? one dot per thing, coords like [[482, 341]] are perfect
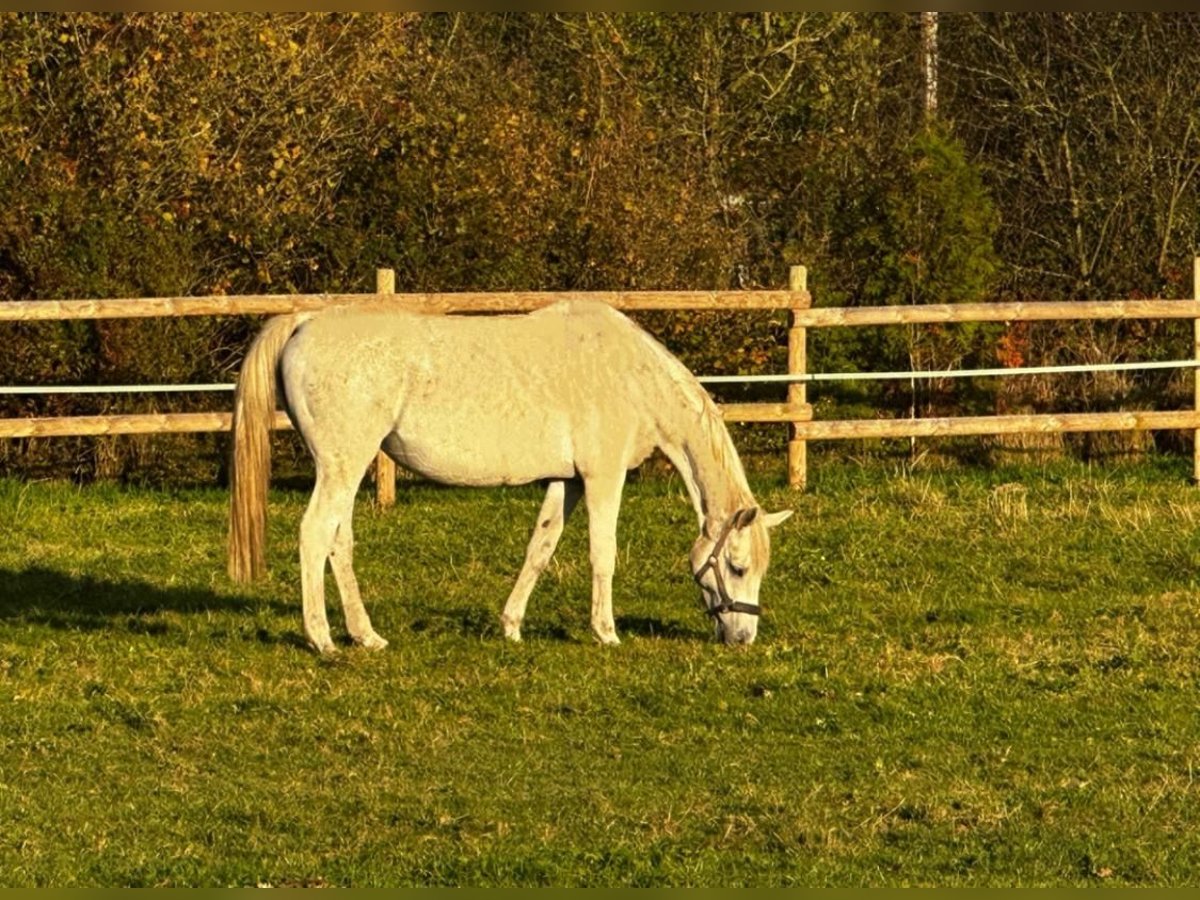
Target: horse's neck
[[709, 465]]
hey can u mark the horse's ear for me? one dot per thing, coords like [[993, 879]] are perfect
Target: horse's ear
[[744, 517], [778, 518]]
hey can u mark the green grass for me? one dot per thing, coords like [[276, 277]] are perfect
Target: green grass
[[957, 682]]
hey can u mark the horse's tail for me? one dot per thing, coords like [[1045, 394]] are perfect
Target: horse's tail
[[250, 472]]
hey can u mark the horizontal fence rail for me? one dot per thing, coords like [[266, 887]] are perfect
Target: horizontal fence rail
[[1041, 311], [191, 423], [467, 302], [631, 301], [139, 423], [957, 426]]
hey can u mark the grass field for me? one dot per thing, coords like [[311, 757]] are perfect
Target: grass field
[[964, 677]]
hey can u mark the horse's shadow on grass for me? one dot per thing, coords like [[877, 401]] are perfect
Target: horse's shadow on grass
[[57, 600], [664, 629], [557, 627], [85, 603]]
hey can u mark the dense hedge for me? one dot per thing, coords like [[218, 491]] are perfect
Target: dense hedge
[[185, 153]]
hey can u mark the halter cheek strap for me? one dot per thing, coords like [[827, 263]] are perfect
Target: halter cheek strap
[[727, 603]]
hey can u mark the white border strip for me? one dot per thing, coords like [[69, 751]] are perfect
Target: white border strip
[[706, 379], [949, 373], [118, 389]]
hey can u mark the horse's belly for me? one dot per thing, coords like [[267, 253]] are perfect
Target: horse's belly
[[480, 455]]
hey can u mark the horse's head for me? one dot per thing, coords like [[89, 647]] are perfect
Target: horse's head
[[729, 566]]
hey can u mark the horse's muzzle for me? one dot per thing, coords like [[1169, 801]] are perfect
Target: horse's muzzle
[[733, 636]]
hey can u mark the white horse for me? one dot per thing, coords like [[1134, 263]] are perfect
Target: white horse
[[575, 394]]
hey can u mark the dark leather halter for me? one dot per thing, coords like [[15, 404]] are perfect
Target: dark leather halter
[[727, 604]]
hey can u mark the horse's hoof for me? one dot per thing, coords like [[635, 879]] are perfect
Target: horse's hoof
[[511, 628], [608, 639], [329, 649], [372, 642]]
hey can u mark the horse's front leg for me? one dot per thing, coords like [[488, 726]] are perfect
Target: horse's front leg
[[561, 498], [603, 502]]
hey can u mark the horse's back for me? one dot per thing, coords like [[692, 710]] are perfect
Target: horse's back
[[476, 400]]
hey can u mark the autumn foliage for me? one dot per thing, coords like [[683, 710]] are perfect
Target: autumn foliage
[[160, 154]]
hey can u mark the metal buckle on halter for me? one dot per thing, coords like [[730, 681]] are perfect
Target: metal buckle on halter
[[727, 603]]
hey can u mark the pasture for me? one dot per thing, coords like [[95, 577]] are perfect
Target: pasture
[[963, 677]]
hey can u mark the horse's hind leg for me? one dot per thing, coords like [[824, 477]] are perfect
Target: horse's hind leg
[[341, 560], [331, 506], [561, 498]]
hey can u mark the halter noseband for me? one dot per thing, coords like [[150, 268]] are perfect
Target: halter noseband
[[727, 604]]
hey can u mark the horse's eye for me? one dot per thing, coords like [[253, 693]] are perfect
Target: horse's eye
[[736, 571]]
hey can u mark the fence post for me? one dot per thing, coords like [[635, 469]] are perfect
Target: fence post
[[1196, 371], [385, 469], [797, 365]]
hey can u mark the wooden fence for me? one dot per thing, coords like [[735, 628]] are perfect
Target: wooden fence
[[794, 411], [1013, 424]]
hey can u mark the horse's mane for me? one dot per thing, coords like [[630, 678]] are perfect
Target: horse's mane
[[713, 432], [712, 424]]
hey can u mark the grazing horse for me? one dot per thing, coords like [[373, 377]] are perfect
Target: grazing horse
[[574, 394]]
